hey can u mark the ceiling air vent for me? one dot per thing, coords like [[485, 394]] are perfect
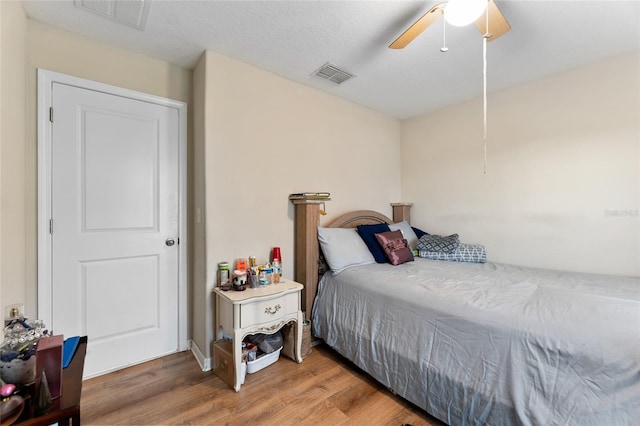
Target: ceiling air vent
[[133, 13], [333, 73]]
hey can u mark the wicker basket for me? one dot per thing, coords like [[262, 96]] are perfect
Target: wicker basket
[[289, 337]]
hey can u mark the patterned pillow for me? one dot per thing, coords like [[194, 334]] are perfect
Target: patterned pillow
[[437, 243], [395, 247], [474, 253]]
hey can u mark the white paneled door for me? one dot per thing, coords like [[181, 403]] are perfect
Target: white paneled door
[[115, 225]]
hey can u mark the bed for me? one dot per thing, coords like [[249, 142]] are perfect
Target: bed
[[482, 343]]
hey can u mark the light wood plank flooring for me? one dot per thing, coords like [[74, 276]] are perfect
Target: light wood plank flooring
[[324, 390]]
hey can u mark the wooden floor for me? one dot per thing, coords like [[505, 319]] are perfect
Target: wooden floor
[[324, 390]]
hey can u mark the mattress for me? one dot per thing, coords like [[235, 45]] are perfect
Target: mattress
[[489, 343]]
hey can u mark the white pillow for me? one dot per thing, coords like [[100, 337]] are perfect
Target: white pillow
[[343, 248], [407, 232]]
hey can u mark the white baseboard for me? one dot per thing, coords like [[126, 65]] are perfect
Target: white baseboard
[[205, 363]]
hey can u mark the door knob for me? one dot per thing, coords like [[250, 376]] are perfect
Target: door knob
[[169, 242]]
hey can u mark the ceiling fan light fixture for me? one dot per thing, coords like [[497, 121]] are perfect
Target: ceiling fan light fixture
[[464, 12]]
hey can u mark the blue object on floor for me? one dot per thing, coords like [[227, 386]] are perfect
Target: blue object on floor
[[69, 349]]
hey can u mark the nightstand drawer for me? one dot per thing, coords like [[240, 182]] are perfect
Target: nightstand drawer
[[263, 311]]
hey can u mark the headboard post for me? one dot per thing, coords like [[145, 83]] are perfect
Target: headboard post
[[401, 211], [307, 220]]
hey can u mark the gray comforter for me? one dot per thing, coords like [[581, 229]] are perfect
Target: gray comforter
[[490, 343]]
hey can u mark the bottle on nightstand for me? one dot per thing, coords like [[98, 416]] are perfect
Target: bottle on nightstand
[[276, 264], [224, 279]]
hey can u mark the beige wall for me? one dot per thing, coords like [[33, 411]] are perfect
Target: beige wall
[[14, 201], [33, 45], [68, 53], [563, 160], [200, 299], [266, 137]]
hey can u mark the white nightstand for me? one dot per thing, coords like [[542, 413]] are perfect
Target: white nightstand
[[258, 310]]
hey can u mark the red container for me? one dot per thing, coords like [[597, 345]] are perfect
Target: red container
[[276, 254]]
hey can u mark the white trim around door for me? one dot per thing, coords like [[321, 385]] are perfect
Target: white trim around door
[[46, 80]]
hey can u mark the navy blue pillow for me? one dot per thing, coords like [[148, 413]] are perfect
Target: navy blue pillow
[[368, 232], [419, 232]]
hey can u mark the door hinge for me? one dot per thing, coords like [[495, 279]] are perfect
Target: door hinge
[[51, 226], [178, 240], [51, 114]]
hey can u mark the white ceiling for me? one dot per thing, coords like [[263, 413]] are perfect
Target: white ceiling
[[294, 38]]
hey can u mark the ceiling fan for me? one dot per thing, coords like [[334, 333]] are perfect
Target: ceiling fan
[[497, 24]]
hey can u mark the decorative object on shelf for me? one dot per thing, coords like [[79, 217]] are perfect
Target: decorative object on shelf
[[43, 399], [18, 350], [11, 405]]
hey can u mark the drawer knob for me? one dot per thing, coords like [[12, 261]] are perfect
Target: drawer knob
[[273, 310]]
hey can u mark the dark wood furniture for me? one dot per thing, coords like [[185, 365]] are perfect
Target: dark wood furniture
[[67, 407]]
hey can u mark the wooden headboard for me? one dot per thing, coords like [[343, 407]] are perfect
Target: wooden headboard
[[306, 248]]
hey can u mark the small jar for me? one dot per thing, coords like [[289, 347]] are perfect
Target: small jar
[[223, 276], [269, 275], [239, 280], [262, 276]]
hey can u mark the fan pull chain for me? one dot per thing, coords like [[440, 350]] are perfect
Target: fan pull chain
[[444, 47], [484, 75], [486, 35]]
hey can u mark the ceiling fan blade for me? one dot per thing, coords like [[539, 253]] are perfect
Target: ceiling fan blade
[[419, 26], [498, 24]]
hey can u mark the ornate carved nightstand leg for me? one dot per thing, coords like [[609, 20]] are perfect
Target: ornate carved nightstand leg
[[237, 360]]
